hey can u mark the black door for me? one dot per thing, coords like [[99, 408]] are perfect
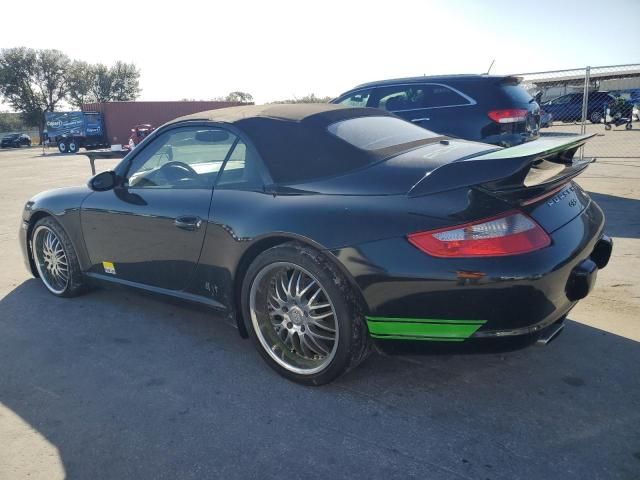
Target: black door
[[150, 229]]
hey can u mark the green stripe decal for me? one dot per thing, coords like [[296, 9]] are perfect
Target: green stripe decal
[[422, 328]]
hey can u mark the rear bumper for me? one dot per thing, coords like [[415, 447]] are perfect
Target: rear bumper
[[413, 296]]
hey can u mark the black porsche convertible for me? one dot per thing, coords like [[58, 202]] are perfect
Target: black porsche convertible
[[322, 227]]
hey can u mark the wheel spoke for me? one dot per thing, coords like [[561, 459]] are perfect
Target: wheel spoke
[[323, 327], [315, 345], [306, 289], [276, 297], [313, 297], [321, 316], [298, 285], [293, 274], [319, 335], [319, 306], [284, 287]]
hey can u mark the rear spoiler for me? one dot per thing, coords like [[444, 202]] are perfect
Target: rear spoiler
[[528, 169]]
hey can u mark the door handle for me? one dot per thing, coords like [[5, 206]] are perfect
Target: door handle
[[424, 119], [188, 222]]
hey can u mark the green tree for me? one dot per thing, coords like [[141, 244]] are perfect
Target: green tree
[[101, 83], [117, 83], [51, 71], [12, 122], [239, 97], [18, 83], [33, 81], [125, 81], [80, 81]]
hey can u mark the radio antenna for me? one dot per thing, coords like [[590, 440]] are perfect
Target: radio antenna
[[490, 66]]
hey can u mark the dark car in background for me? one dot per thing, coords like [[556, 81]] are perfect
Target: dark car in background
[[485, 108], [568, 108], [16, 140]]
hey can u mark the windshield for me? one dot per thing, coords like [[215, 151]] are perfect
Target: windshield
[[375, 133]]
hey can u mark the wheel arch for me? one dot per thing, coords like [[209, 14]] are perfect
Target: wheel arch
[[35, 218], [266, 242]]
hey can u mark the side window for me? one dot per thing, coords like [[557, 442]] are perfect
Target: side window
[[441, 96], [403, 97], [358, 99], [187, 157], [241, 170], [414, 97]]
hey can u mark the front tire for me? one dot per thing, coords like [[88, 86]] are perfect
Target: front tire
[[595, 117], [302, 315], [56, 259]]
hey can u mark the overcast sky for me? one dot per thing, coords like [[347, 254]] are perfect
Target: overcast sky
[[281, 49]]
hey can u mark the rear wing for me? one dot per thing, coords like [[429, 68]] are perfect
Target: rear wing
[[528, 169]]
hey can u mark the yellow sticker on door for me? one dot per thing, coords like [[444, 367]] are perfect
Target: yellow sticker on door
[[109, 268]]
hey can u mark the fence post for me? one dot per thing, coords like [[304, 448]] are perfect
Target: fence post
[[585, 106]]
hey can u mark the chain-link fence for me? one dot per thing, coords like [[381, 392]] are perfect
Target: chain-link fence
[[601, 100]]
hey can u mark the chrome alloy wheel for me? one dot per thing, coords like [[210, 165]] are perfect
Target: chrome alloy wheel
[[293, 318], [50, 259]]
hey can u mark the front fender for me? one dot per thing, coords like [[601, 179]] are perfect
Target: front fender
[[63, 204]]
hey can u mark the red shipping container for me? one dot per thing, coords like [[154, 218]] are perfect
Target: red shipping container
[[120, 117]]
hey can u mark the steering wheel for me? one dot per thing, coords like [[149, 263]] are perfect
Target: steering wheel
[[176, 171]]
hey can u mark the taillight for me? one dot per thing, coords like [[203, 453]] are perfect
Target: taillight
[[508, 116], [511, 233]]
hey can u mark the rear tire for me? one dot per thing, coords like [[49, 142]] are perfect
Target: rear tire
[[302, 315], [62, 146], [73, 147], [595, 117], [55, 259]]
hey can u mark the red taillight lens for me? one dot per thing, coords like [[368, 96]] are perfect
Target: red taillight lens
[[508, 234], [508, 116]]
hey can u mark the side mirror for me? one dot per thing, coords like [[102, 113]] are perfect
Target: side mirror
[[103, 181]]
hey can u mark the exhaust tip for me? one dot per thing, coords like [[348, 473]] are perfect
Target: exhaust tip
[[550, 333]]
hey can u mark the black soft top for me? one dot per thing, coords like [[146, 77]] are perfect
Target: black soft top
[[293, 140], [319, 113]]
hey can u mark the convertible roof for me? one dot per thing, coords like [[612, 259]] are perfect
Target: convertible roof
[[299, 112], [293, 139]]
